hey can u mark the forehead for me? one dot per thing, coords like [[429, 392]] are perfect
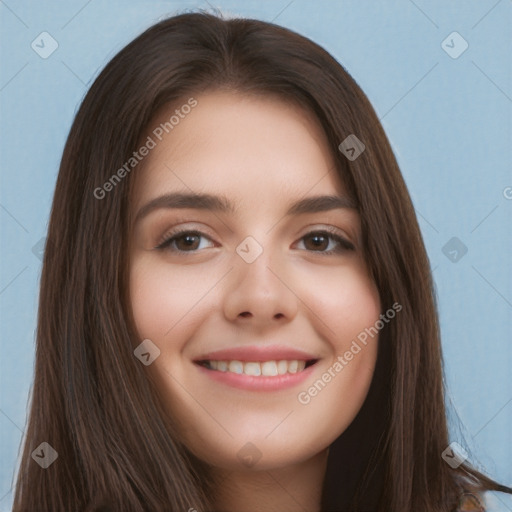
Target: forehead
[[247, 147]]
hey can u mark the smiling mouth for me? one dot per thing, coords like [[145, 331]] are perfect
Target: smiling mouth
[[258, 368]]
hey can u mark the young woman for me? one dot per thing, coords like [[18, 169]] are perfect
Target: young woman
[[236, 311]]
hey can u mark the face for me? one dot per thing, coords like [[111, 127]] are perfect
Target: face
[[255, 295]]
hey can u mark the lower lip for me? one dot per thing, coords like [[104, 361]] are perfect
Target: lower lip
[[251, 383]]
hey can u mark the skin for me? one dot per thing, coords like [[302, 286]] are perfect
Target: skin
[[263, 154]]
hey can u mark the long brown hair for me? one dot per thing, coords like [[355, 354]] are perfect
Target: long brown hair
[[91, 399]]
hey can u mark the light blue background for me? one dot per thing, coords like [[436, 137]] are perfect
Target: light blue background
[[448, 120]]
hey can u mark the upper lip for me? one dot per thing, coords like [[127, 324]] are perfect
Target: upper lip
[[257, 353]]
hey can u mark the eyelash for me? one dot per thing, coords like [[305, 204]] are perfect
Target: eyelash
[[343, 244]]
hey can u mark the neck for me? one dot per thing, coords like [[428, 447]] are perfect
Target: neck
[[297, 487]]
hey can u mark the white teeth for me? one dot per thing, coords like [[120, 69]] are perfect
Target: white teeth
[[252, 369], [269, 369], [256, 369], [222, 366], [292, 366], [282, 367], [235, 367]]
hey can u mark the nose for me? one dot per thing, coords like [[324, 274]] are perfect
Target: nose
[[261, 293]]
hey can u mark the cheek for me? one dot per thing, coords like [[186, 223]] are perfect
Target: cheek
[[345, 310], [161, 298], [342, 303]]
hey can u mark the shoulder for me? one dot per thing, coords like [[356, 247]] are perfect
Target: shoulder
[[470, 502]]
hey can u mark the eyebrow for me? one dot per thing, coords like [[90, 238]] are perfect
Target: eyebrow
[[223, 205]]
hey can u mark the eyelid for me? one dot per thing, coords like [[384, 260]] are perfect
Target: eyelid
[[329, 229], [181, 229], [344, 241], [346, 234]]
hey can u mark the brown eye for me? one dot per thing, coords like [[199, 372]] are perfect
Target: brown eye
[[183, 241], [318, 241], [187, 241]]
